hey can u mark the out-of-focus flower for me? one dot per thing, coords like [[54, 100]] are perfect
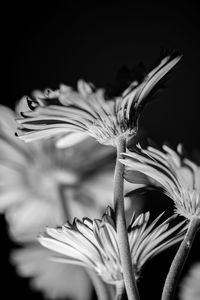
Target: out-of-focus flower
[[38, 180], [74, 114], [38, 185], [190, 287], [56, 280], [177, 176], [93, 244]]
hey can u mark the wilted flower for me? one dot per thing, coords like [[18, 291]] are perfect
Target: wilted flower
[[93, 244], [56, 280], [179, 177], [37, 180], [73, 114]]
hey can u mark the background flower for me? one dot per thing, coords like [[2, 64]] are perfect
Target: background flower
[[189, 288], [38, 185], [38, 181], [56, 280]]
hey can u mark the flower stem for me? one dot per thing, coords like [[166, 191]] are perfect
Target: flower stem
[[101, 289], [120, 291], [122, 235], [62, 194], [179, 260]]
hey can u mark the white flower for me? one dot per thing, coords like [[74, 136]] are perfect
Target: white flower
[[93, 244], [190, 287], [73, 114], [178, 177], [32, 175], [54, 279]]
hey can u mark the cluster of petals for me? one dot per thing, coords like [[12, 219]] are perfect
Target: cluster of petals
[[177, 176], [93, 243], [69, 115]]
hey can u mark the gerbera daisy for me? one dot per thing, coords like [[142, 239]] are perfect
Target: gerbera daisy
[[93, 244], [178, 176], [73, 114]]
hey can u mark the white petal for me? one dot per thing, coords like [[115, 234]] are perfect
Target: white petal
[[71, 139]]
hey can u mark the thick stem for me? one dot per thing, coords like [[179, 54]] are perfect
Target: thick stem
[[101, 289], [122, 235], [179, 260]]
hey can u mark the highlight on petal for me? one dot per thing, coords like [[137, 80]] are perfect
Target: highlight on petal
[[177, 176], [71, 140], [93, 244], [66, 112]]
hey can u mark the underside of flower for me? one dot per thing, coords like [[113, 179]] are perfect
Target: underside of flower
[[93, 244], [69, 114], [177, 176]]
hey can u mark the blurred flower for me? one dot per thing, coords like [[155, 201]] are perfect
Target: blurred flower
[[38, 181], [190, 287], [56, 280], [74, 114], [177, 176], [39, 184], [93, 244]]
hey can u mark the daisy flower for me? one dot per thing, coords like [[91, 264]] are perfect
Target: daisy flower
[[70, 115], [32, 177], [189, 288], [177, 176], [93, 244]]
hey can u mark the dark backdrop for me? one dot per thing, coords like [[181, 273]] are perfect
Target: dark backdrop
[[45, 46]]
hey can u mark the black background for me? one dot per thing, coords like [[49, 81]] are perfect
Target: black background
[[45, 46]]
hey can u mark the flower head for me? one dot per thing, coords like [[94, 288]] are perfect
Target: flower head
[[93, 244], [70, 114], [32, 177], [178, 177]]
